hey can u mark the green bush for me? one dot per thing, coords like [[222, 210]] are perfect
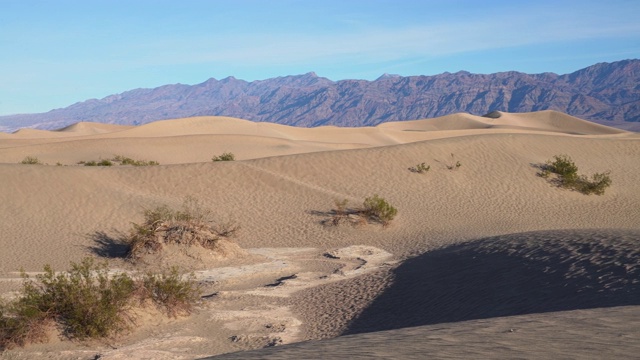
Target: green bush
[[379, 209], [169, 292], [598, 183], [565, 168], [88, 302], [567, 176], [20, 324], [224, 157], [30, 160]]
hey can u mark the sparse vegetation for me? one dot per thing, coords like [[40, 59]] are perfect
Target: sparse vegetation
[[567, 176], [453, 163], [340, 212], [30, 160], [224, 157], [379, 209], [88, 302], [123, 160], [420, 168], [373, 208], [189, 226], [170, 292], [104, 162]]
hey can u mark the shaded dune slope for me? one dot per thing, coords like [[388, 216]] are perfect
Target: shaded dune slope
[[580, 334], [515, 274], [546, 294]]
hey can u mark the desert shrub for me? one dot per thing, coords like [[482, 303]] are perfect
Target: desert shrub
[[188, 226], [373, 208], [88, 302], [598, 183], [379, 209], [20, 324], [224, 157], [564, 167], [104, 162], [123, 160], [170, 292], [30, 160], [339, 214], [420, 168], [453, 163], [567, 176]]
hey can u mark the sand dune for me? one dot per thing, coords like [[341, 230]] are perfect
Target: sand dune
[[466, 248]]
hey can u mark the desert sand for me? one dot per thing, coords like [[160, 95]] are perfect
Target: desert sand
[[486, 261]]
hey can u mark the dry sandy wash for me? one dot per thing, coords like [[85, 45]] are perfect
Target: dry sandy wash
[[486, 261]]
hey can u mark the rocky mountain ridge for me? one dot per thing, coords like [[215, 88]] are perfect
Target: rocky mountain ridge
[[606, 93]]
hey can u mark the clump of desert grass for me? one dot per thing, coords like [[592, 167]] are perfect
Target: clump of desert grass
[[192, 225]]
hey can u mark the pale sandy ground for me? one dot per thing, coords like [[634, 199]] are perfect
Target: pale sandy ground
[[472, 254]]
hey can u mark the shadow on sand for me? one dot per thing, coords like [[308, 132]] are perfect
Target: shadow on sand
[[107, 246], [515, 274]]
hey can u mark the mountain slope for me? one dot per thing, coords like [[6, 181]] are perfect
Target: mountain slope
[[607, 93]]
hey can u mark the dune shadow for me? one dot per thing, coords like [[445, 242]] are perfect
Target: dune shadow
[[515, 274], [107, 246]]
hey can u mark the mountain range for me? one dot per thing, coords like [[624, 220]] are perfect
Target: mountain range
[[606, 93]]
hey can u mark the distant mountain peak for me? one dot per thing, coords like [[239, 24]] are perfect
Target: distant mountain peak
[[388, 76]]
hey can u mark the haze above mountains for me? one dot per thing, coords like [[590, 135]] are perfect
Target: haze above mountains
[[605, 93]]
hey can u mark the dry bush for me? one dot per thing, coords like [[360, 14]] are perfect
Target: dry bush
[[373, 208], [453, 163], [189, 226], [30, 160], [420, 168]]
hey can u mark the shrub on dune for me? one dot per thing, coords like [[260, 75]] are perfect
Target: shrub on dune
[[567, 176], [30, 160], [224, 157], [379, 209], [188, 226], [88, 302], [374, 209]]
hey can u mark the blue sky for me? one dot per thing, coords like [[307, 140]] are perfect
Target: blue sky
[[56, 53]]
